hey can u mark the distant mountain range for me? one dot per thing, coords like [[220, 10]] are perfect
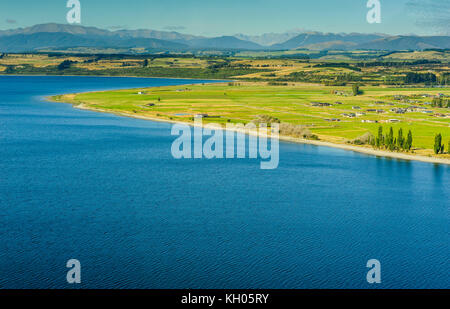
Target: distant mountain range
[[63, 36], [269, 39], [57, 41], [317, 40]]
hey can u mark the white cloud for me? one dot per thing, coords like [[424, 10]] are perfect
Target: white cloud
[[431, 15]]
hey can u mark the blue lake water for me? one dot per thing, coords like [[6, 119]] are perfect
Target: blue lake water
[[105, 190]]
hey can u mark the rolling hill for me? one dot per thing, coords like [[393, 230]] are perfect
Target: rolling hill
[[58, 36], [408, 43], [55, 40]]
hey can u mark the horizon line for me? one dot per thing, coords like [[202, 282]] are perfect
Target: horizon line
[[110, 29]]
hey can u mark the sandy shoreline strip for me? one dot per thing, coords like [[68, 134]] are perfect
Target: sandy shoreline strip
[[359, 149]]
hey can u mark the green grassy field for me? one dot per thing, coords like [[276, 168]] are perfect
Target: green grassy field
[[243, 102]]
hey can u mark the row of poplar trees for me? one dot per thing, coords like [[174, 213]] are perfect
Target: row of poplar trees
[[439, 145], [401, 143], [389, 142]]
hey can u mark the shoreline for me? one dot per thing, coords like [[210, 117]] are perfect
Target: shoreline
[[122, 76], [358, 149]]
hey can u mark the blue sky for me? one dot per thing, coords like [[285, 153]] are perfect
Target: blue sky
[[212, 17]]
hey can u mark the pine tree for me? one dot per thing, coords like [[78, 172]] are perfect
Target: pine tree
[[400, 139], [409, 141], [379, 139], [390, 139], [355, 89], [438, 144]]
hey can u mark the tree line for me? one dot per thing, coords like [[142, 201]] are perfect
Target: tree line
[[440, 102], [390, 142], [417, 78], [396, 63]]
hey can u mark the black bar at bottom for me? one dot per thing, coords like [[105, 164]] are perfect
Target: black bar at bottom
[[223, 298]]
